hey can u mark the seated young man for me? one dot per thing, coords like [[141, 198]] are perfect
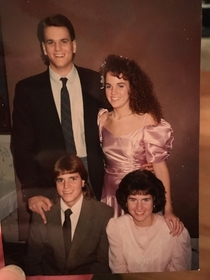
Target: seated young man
[[76, 244]]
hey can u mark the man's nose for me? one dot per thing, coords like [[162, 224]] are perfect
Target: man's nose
[[57, 46], [65, 184]]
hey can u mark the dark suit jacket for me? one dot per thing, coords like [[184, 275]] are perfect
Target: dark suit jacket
[[89, 249], [37, 137]]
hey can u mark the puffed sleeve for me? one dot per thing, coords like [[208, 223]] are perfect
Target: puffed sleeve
[[117, 262], [158, 141], [182, 252], [100, 113]]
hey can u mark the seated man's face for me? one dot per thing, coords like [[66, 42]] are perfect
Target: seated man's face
[[69, 187]]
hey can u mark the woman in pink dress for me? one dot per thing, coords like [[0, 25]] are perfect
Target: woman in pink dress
[[140, 240], [133, 132]]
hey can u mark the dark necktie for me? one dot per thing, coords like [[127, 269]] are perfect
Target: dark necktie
[[67, 231], [66, 121]]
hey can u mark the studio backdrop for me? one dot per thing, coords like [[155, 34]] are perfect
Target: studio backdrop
[[164, 39]]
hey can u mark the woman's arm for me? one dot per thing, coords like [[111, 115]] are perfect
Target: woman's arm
[[173, 222], [181, 253]]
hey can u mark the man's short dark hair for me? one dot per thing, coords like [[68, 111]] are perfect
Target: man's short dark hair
[[141, 182], [57, 20]]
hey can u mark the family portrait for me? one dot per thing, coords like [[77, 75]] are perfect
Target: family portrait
[[103, 143]]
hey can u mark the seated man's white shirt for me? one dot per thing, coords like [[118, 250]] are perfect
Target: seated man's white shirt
[[76, 209]]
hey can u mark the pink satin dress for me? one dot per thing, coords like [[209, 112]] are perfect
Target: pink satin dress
[[129, 152]]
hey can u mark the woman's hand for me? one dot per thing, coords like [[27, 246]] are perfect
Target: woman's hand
[[174, 223], [148, 166]]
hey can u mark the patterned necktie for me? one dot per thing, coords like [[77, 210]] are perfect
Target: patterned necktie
[[66, 121], [67, 231]]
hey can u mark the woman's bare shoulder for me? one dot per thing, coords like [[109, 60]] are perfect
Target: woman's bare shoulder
[[104, 116], [149, 120]]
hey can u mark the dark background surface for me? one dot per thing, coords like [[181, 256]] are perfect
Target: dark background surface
[[162, 36]]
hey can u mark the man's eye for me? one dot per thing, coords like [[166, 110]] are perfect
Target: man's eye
[[59, 180], [107, 86], [73, 178]]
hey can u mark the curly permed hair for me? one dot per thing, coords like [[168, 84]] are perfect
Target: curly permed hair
[[141, 182], [142, 97]]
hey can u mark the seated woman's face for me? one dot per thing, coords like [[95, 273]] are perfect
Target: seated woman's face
[[140, 207]]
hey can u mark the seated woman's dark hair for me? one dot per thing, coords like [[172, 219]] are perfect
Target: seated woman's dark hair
[[142, 182]]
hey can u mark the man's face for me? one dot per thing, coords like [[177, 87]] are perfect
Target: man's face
[[69, 187], [59, 48]]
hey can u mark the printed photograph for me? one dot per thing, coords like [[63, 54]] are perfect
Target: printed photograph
[[99, 136]]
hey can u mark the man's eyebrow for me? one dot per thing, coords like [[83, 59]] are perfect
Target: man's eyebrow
[[47, 40], [74, 176], [70, 175], [52, 40]]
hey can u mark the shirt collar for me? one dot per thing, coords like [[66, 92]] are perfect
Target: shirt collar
[[75, 208], [70, 76]]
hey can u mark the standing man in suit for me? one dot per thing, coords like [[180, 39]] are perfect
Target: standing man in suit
[[37, 136], [48, 251]]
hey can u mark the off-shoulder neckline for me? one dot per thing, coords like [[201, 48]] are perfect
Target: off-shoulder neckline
[[132, 132]]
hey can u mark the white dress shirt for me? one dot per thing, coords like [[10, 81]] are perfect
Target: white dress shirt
[[76, 209], [75, 94]]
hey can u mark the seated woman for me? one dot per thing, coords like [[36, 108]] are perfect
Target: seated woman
[[140, 240]]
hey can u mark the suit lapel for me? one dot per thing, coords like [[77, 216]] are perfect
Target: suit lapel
[[48, 117], [84, 96], [81, 232], [48, 101], [55, 234], [89, 111]]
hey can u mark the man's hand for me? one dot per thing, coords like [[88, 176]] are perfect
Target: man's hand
[[148, 166], [40, 204]]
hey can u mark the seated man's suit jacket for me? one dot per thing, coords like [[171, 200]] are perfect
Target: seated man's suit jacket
[[89, 248], [37, 137]]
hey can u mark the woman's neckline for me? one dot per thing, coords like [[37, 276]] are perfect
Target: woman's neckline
[[119, 118], [142, 228], [125, 134]]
